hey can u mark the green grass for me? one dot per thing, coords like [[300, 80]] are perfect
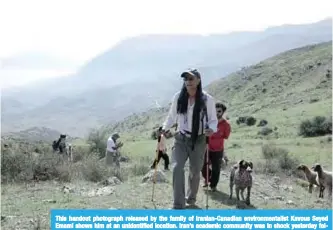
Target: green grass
[[291, 87]]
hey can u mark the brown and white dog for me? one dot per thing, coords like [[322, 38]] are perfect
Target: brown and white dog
[[241, 177]]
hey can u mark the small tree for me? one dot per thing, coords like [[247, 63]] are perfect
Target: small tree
[[97, 141]]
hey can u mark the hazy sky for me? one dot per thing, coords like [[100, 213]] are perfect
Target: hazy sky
[[81, 29]]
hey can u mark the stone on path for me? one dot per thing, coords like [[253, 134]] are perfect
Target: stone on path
[[160, 176]]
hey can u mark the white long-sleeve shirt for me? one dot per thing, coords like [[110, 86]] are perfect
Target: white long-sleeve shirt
[[184, 122], [110, 144]]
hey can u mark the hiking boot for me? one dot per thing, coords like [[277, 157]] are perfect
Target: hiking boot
[[190, 202], [213, 189], [205, 185]]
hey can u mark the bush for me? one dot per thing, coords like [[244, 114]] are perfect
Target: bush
[[97, 141], [262, 123], [17, 165], [265, 131], [92, 170], [278, 160], [248, 120], [240, 120], [318, 126], [142, 167], [153, 135]]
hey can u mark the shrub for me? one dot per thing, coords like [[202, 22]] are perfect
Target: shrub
[[153, 135], [262, 123], [240, 120], [18, 165], [92, 169], [248, 120], [97, 141], [278, 160], [265, 131], [318, 126]]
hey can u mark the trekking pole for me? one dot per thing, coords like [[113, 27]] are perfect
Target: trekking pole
[[155, 168], [207, 156], [207, 169]]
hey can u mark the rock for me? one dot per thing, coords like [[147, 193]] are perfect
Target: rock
[[287, 188], [124, 159], [110, 181], [50, 201], [105, 191], [276, 179], [277, 198], [319, 201], [66, 189], [159, 177], [290, 202]]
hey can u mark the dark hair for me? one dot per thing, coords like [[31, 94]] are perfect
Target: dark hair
[[182, 104], [221, 105]]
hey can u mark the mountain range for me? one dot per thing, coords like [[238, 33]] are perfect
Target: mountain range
[[142, 72]]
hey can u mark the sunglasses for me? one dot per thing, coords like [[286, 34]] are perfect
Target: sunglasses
[[219, 111], [188, 78]]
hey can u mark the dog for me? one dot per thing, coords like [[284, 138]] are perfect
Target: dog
[[241, 177]]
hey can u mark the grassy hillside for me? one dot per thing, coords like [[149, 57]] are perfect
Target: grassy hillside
[[107, 87], [285, 90]]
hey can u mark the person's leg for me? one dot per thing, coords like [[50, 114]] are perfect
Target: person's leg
[[179, 158], [166, 161], [196, 162], [204, 171], [116, 160], [216, 159], [156, 161], [109, 158]]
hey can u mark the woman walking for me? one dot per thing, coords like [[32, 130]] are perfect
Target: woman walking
[[188, 110]]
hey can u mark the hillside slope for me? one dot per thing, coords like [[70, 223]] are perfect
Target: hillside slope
[[294, 85], [134, 65], [35, 134], [293, 77], [284, 90]]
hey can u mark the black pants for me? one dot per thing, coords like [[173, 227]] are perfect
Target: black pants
[[165, 157], [213, 174]]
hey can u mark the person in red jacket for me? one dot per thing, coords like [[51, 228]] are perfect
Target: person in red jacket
[[216, 149]]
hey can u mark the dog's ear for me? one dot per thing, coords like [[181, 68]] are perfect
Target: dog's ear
[[251, 164], [240, 163]]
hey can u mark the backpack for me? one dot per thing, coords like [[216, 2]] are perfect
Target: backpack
[[55, 145]]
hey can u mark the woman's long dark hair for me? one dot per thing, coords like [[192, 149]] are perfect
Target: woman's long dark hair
[[182, 104]]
